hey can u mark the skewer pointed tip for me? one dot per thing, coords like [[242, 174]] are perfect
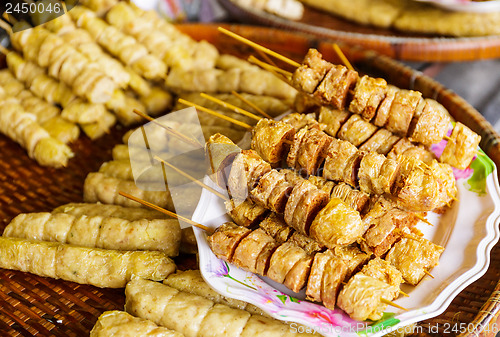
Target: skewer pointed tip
[[429, 274], [391, 303]]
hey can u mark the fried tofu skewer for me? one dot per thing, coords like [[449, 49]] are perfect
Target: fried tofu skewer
[[311, 146], [397, 110]]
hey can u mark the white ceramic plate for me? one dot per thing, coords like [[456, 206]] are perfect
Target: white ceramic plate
[[468, 231], [466, 5]]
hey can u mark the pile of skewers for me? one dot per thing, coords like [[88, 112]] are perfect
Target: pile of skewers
[[93, 67]]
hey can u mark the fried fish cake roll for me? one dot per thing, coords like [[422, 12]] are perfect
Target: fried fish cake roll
[[368, 94], [323, 184], [336, 224], [355, 199], [154, 301], [122, 324], [461, 148], [335, 86], [356, 130], [312, 71], [246, 170], [283, 260], [377, 173], [315, 281], [338, 155], [62, 130], [272, 191], [381, 142], [361, 298], [98, 267], [447, 182], [413, 256], [101, 7], [249, 248], [334, 274], [191, 281], [99, 188], [309, 245], [402, 110], [269, 139], [100, 128], [276, 226], [225, 239], [333, 119], [98, 231], [115, 211], [384, 108], [308, 207], [431, 125], [385, 272], [246, 214], [312, 151], [82, 112], [352, 256]]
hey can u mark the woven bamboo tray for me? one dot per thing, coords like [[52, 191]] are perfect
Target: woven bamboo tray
[[398, 45], [31, 305]]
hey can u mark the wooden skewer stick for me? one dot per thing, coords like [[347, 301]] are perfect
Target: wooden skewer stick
[[5, 26], [214, 113], [254, 60], [259, 47], [342, 57], [403, 293], [266, 58], [425, 271], [383, 300], [196, 181], [179, 135], [230, 106], [250, 104], [164, 211], [423, 219]]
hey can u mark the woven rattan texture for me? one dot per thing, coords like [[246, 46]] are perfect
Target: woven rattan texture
[[31, 305]]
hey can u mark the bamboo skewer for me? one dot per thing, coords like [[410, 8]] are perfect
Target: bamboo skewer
[[5, 26], [342, 57], [254, 60], [423, 219], [391, 303], [230, 106], [214, 113], [250, 104], [196, 181], [426, 272], [164, 211], [259, 47], [191, 141]]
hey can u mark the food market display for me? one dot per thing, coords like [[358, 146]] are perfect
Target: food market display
[[327, 198]]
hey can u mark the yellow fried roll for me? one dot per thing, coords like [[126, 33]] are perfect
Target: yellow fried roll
[[97, 267], [194, 315], [122, 324], [99, 232], [127, 213]]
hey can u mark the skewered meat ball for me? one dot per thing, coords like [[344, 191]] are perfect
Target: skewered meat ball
[[461, 147], [124, 47], [101, 7], [65, 63]]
